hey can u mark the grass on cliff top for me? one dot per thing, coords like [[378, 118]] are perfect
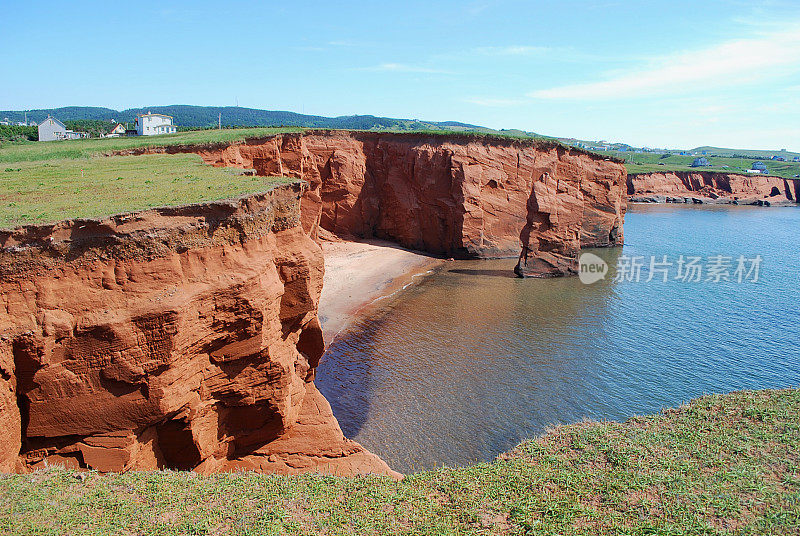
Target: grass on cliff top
[[725, 464], [651, 162], [11, 152], [44, 191]]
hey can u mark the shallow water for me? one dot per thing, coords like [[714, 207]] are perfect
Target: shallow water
[[471, 360]]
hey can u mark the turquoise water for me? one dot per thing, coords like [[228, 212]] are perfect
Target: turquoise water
[[471, 360]]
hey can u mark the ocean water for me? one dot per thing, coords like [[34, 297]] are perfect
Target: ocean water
[[471, 360]]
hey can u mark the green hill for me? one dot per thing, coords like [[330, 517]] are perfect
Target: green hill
[[207, 116]]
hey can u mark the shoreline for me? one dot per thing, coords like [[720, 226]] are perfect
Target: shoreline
[[359, 274], [687, 198]]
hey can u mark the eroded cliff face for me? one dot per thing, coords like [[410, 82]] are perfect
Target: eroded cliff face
[[181, 337], [711, 186], [447, 195]]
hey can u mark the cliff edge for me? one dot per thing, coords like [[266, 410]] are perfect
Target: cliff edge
[[182, 337]]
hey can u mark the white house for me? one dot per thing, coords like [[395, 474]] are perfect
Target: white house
[[150, 124]]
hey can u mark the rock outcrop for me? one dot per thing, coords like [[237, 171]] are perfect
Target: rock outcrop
[[181, 337], [454, 196], [712, 187]]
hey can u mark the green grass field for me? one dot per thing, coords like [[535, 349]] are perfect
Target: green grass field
[[727, 464], [54, 189], [651, 162]]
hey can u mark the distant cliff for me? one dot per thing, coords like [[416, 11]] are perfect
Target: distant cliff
[[712, 187]]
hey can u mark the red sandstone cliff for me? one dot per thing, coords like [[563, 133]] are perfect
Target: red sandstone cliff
[[712, 185], [180, 337], [447, 195], [187, 337]]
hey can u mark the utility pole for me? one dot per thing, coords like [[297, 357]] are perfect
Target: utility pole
[[219, 122]]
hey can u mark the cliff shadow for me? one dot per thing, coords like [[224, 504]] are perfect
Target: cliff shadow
[[343, 377]]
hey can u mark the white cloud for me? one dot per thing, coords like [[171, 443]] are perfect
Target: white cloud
[[401, 68], [730, 63]]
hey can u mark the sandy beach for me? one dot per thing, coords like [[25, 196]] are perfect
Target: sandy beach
[[358, 273]]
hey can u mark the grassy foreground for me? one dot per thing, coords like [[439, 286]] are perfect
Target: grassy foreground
[[726, 464]]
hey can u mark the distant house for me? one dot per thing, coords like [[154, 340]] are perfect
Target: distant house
[[759, 166], [117, 131], [151, 124], [700, 162], [51, 129], [796, 159], [5, 121]]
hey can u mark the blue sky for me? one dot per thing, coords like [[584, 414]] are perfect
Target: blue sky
[[673, 74]]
